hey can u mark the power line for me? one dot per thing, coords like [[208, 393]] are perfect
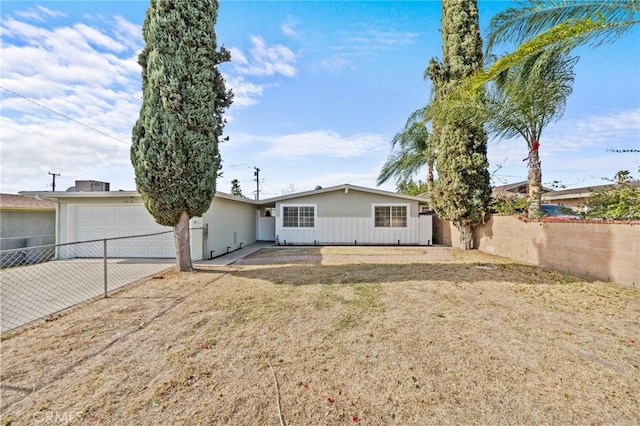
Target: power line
[[65, 116]]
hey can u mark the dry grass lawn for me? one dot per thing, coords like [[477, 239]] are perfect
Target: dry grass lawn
[[352, 335]]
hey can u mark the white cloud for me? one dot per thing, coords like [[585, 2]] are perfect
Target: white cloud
[[289, 29], [128, 34], [353, 45], [324, 143], [584, 142], [338, 63], [38, 13], [87, 74], [596, 132], [264, 59], [245, 94], [375, 41]]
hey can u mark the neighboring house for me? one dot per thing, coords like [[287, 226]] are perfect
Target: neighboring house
[[578, 197], [26, 221], [343, 214], [521, 188]]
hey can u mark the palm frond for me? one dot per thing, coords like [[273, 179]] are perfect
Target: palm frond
[[414, 151], [564, 37], [518, 24], [530, 95]]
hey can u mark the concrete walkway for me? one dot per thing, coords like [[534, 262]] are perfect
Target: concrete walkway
[[234, 256]]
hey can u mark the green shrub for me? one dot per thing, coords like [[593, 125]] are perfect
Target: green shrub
[[506, 205], [620, 203]]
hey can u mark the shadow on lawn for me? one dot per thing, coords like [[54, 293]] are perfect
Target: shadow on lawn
[[378, 273]]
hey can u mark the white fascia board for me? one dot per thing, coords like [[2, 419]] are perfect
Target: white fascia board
[[119, 194], [345, 188]]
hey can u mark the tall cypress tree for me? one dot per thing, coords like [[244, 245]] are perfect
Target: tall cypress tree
[[175, 140], [462, 192]]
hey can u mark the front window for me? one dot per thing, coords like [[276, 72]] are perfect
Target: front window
[[298, 216], [390, 216]]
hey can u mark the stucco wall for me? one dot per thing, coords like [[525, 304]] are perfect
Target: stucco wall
[[596, 250], [350, 204], [230, 223], [18, 226]]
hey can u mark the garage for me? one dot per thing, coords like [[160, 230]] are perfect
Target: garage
[[99, 221], [91, 216]]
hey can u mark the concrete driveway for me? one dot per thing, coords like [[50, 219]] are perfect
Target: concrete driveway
[[29, 293], [32, 292]]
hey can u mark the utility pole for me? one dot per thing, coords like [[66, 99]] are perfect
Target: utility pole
[[53, 185], [256, 173]]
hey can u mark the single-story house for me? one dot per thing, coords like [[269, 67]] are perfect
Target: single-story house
[[578, 197], [344, 214], [517, 188], [26, 221]]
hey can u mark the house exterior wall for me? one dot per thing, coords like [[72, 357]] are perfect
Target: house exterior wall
[[70, 214], [353, 230], [350, 204], [66, 214], [348, 218], [596, 250], [229, 223], [20, 228]]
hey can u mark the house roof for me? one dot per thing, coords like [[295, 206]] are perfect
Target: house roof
[[115, 194], [521, 187], [581, 192], [345, 187], [25, 203], [510, 186]]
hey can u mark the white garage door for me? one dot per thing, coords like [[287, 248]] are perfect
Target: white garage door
[[93, 222]]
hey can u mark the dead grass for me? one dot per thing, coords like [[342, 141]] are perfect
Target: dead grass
[[352, 333]]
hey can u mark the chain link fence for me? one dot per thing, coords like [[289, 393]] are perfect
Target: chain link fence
[[37, 282]]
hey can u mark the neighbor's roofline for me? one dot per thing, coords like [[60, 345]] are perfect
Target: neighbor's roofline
[[23, 203], [587, 190]]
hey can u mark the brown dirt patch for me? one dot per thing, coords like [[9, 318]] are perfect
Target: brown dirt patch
[[406, 336]]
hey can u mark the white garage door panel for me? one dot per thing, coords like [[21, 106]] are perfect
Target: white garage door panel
[[94, 222]]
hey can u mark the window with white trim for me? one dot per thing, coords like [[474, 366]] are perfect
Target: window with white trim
[[390, 216], [298, 216]]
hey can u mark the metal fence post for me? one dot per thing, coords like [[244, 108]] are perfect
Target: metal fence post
[[104, 258]]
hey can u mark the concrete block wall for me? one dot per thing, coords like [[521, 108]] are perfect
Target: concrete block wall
[[595, 250]]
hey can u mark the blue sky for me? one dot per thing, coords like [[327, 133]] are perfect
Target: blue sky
[[320, 90]]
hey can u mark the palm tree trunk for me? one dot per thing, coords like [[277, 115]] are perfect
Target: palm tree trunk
[[430, 180], [535, 183]]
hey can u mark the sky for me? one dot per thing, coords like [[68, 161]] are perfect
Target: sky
[[320, 89]]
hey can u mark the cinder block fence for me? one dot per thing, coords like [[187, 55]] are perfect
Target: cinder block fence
[[596, 250]]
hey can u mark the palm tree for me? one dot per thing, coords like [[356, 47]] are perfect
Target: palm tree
[[524, 99], [415, 150], [557, 23]]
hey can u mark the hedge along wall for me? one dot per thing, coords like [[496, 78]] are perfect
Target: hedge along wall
[[596, 250]]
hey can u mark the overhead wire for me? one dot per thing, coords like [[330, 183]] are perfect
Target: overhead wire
[[63, 115]]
